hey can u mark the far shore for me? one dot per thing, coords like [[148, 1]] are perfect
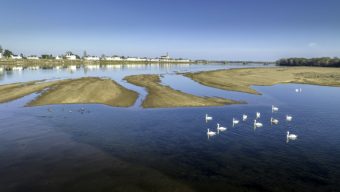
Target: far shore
[[54, 62]]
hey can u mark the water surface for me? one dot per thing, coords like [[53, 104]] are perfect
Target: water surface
[[134, 149]]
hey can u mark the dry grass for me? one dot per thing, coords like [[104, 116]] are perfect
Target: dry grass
[[241, 79], [164, 96], [87, 90]]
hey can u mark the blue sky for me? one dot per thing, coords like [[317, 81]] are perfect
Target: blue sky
[[211, 29]]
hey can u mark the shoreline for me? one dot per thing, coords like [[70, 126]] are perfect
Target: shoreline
[[54, 62], [242, 79], [86, 90], [162, 96]]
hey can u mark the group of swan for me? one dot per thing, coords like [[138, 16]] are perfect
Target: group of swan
[[219, 128], [256, 123]]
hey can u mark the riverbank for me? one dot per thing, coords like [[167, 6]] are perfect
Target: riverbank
[[71, 91], [241, 80], [54, 62], [160, 96]]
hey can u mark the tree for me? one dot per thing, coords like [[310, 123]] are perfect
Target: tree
[[7, 53], [1, 49], [321, 62], [46, 56]]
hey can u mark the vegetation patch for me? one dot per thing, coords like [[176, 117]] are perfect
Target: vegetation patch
[[242, 79]]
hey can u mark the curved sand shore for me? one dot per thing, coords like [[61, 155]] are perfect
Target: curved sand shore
[[164, 96]]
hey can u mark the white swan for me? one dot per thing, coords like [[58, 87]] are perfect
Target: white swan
[[220, 128], [274, 121], [235, 121], [274, 109], [291, 136], [208, 118], [257, 124], [258, 115], [289, 117], [244, 117], [298, 90], [211, 133]]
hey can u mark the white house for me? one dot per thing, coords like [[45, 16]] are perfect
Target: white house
[[91, 58], [71, 57], [0, 55], [113, 58], [16, 57], [58, 58], [154, 60], [32, 57], [134, 59]]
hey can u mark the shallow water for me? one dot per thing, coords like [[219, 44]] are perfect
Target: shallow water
[[134, 149]]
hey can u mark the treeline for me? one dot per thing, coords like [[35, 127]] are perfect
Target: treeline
[[316, 62]]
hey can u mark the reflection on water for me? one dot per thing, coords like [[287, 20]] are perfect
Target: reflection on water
[[133, 149]]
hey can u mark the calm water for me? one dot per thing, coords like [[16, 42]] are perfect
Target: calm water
[[134, 149]]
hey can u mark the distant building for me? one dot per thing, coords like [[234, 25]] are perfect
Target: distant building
[[165, 57], [70, 56], [0, 55], [154, 60], [16, 57], [91, 58], [32, 57], [132, 59], [113, 58], [58, 58]]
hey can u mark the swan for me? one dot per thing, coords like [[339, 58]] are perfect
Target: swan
[[258, 115], [274, 109], [297, 90], [274, 121], [289, 117], [211, 133], [257, 124], [300, 90], [291, 136], [207, 118], [220, 128], [244, 117], [235, 121]]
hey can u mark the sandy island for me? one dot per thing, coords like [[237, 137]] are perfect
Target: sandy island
[[164, 96], [241, 79], [71, 91]]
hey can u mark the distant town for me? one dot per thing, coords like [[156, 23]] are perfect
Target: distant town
[[6, 54]]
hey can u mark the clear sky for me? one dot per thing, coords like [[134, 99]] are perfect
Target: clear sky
[[210, 29]]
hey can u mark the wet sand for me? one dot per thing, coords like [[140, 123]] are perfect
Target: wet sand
[[14, 91]]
